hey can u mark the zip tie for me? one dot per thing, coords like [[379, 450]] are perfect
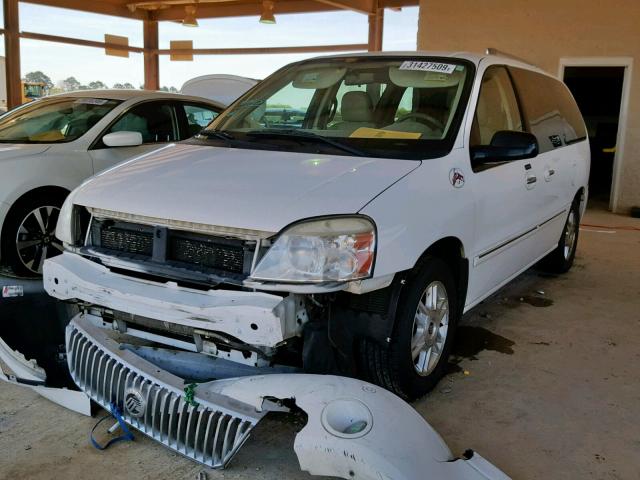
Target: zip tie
[[189, 393]]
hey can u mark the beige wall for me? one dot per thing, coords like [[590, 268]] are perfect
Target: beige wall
[[543, 31]]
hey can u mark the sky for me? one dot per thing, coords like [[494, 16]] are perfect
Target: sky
[[89, 64]]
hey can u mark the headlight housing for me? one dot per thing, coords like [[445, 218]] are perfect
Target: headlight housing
[[70, 222], [331, 249]]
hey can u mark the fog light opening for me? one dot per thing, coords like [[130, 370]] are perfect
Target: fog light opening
[[347, 418]]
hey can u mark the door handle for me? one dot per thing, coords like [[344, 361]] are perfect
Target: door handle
[[531, 181], [548, 173]]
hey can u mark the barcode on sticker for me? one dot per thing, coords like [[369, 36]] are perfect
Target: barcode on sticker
[[428, 66], [9, 291]]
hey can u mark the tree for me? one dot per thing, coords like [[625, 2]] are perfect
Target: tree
[[97, 85], [169, 89], [118, 86], [39, 77], [70, 84]]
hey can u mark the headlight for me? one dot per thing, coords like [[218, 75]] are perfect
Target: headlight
[[65, 222], [334, 249], [69, 226]]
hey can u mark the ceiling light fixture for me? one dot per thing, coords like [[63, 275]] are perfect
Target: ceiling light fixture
[[267, 13], [190, 16]]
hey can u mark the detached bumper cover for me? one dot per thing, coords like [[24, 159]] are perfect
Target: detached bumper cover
[[354, 429], [70, 276]]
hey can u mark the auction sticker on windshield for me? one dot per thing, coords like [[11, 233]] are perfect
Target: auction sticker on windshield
[[428, 66]]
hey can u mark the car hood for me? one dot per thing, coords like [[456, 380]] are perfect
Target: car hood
[[251, 189], [16, 150]]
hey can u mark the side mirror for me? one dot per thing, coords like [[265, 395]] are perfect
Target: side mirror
[[506, 146], [122, 139]]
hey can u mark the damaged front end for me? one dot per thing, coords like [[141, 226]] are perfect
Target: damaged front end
[[347, 435], [163, 307]]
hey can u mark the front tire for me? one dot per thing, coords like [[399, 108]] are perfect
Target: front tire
[[28, 235], [561, 259], [417, 355]]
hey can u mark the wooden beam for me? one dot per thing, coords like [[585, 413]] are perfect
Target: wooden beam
[[12, 53], [104, 7], [151, 59], [353, 47], [78, 41], [359, 6], [236, 9], [398, 3], [376, 26]]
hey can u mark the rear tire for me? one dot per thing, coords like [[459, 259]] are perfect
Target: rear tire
[[416, 358], [561, 259], [28, 234]]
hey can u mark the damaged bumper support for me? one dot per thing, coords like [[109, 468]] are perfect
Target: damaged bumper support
[[259, 319], [350, 422]]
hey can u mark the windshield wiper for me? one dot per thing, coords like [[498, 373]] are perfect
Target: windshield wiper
[[308, 136], [221, 134]]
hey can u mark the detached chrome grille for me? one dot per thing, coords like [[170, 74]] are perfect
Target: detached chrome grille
[[210, 433]]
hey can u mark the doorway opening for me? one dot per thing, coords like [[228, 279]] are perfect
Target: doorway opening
[[598, 92]]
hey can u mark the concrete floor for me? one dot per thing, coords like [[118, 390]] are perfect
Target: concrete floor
[[547, 387]]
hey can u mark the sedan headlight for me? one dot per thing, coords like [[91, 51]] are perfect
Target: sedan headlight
[[70, 223], [332, 249]]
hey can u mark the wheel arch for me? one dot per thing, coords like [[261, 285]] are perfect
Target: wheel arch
[[379, 324], [451, 250], [47, 190], [581, 196]]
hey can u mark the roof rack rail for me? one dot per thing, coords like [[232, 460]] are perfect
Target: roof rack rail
[[495, 51]]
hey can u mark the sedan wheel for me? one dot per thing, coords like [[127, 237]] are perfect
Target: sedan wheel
[[35, 240]]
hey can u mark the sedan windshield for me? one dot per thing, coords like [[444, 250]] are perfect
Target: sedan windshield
[[56, 120], [388, 107]]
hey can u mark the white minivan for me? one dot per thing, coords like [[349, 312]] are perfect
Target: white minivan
[[348, 238]]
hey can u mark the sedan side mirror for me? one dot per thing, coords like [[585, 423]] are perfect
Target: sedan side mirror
[[506, 146], [122, 139]]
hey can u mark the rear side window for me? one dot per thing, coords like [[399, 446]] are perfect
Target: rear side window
[[155, 121], [551, 112], [497, 108]]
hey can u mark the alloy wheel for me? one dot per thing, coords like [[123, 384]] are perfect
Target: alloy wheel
[[570, 233], [430, 328], [35, 240]]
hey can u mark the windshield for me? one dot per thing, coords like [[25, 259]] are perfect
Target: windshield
[[54, 121], [390, 107]]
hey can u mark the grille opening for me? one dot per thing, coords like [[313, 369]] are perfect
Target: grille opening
[[169, 253], [206, 252], [126, 240]]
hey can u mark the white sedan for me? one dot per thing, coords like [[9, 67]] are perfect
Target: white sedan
[[48, 147]]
